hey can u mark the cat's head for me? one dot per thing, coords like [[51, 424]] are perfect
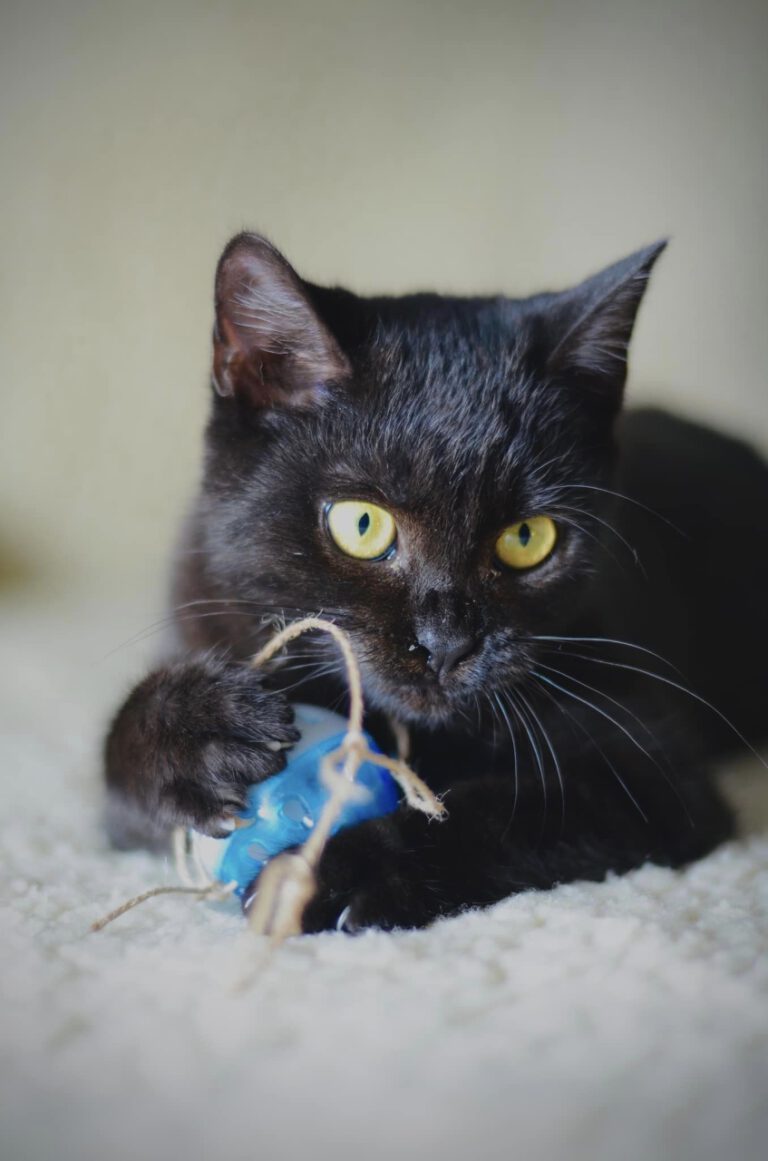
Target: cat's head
[[426, 468]]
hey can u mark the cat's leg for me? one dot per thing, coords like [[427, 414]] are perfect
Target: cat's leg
[[405, 871], [186, 745]]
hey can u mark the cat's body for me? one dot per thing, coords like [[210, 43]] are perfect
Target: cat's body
[[522, 688]]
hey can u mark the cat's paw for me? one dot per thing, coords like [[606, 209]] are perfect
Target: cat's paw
[[191, 739], [377, 908], [366, 880]]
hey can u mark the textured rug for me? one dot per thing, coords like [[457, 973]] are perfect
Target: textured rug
[[621, 1020]]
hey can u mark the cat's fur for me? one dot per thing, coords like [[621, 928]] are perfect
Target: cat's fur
[[560, 729]]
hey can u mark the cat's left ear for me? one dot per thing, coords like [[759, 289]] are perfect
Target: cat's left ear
[[591, 325], [270, 346]]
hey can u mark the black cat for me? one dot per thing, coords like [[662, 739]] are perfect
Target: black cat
[[565, 605]]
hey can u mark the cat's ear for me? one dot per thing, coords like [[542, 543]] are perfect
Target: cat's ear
[[270, 348], [590, 326]]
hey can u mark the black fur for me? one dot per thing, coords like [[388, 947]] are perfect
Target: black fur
[[559, 757]]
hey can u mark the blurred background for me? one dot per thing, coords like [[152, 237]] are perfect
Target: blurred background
[[485, 146]]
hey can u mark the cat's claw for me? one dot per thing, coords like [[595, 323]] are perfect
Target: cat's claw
[[341, 922]]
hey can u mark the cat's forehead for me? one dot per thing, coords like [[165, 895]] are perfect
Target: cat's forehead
[[451, 351], [446, 420]]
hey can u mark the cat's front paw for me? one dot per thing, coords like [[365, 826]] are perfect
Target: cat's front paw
[[376, 907], [366, 880], [189, 742]]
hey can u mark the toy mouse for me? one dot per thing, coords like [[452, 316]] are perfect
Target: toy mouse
[[283, 809]]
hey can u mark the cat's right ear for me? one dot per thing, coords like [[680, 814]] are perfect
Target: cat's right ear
[[270, 348], [588, 328]]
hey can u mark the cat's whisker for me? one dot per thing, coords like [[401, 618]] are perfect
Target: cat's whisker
[[630, 713], [316, 663], [604, 641], [314, 674], [609, 717], [495, 719], [592, 740], [338, 701], [601, 693], [548, 742], [515, 766], [499, 718], [167, 622], [289, 656], [279, 610], [590, 736], [535, 750], [302, 667], [683, 689], [188, 611]]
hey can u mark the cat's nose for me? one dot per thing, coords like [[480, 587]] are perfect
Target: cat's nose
[[445, 653]]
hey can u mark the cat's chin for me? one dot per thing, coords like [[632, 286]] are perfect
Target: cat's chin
[[418, 705]]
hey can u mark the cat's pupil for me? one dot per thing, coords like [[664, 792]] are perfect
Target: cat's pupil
[[364, 523], [524, 535]]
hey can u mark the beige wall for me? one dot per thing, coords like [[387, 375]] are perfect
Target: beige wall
[[392, 145]]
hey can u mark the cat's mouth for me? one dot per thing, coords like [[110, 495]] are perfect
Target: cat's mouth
[[416, 703]]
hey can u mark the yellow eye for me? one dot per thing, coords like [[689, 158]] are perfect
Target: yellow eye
[[360, 529], [528, 543]]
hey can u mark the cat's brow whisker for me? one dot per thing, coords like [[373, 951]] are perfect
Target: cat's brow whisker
[[606, 524], [628, 500], [591, 536], [540, 469]]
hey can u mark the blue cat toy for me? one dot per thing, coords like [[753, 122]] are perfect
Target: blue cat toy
[[282, 810]]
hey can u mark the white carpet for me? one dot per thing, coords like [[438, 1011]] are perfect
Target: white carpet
[[627, 1020]]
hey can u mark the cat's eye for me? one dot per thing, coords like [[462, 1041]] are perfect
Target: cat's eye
[[527, 543], [361, 529]]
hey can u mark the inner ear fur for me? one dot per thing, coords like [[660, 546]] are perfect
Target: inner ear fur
[[269, 345]]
